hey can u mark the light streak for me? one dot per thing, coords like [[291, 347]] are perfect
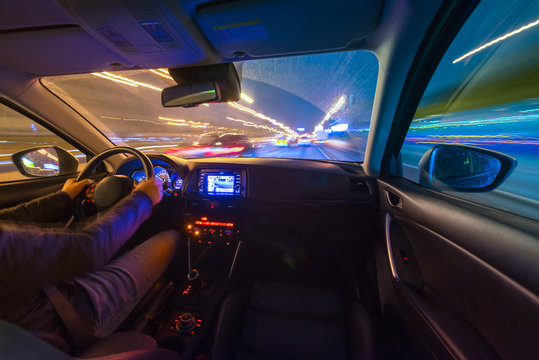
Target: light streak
[[153, 146], [246, 98], [287, 129], [172, 123], [427, 140], [160, 73], [191, 123], [113, 79], [258, 126], [225, 151], [130, 119], [335, 108], [131, 81], [181, 122], [47, 154], [478, 122], [497, 40]]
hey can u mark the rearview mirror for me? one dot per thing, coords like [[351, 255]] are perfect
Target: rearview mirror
[[189, 95], [47, 161], [202, 84], [464, 168]]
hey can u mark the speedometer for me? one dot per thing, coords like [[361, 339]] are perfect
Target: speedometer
[[139, 176], [162, 174]]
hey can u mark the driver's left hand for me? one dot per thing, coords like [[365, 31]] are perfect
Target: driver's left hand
[[73, 188]]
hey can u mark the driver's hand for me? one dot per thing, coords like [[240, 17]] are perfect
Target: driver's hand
[[153, 188], [73, 188]]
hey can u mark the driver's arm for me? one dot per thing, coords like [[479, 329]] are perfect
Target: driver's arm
[[48, 208], [30, 257]]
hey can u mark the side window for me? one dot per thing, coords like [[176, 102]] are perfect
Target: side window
[[485, 94], [17, 132]]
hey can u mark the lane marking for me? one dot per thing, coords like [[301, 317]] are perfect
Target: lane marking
[[328, 157]]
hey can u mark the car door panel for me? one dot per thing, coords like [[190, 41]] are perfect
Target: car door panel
[[469, 280], [17, 192]]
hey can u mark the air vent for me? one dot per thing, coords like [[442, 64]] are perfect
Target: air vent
[[358, 185]]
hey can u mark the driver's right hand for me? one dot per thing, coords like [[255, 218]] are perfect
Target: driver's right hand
[[153, 188]]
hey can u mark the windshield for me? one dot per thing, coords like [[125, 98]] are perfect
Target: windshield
[[309, 107]]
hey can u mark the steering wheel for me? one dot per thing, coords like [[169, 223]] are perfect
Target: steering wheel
[[112, 188]]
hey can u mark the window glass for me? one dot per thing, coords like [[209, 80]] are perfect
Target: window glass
[[485, 93], [17, 132], [308, 107]]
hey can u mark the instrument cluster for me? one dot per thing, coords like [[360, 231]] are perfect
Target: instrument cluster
[[170, 179]]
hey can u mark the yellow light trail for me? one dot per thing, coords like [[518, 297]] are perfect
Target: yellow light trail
[[181, 122], [113, 79], [258, 126], [159, 73], [127, 119], [287, 129], [246, 98], [497, 40], [131, 81], [336, 107]]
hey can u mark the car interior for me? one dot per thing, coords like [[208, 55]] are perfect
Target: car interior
[[281, 258]]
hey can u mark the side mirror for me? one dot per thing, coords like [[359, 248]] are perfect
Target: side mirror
[[189, 95], [464, 168], [47, 161]]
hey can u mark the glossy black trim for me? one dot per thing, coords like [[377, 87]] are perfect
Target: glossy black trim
[[444, 28]]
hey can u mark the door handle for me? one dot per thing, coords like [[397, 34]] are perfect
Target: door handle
[[393, 199]]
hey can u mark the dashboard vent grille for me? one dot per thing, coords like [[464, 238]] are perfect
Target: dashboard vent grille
[[358, 185]]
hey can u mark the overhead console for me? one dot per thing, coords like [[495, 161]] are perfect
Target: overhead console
[[139, 30]]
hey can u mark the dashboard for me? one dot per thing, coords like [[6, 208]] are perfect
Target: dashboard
[[223, 200], [227, 179]]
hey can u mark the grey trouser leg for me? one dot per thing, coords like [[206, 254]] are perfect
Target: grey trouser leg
[[114, 290]]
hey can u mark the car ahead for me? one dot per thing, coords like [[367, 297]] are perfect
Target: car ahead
[[407, 228], [281, 142], [305, 142], [233, 140], [211, 144]]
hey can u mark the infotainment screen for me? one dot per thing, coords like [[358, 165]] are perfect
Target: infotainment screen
[[214, 182], [219, 184]]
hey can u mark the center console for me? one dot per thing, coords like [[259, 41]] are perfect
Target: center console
[[214, 202], [213, 206]]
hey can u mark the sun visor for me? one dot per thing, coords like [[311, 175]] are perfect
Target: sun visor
[[276, 27], [53, 51]]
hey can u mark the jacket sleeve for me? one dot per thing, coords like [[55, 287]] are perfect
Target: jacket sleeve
[[33, 256], [47, 208]]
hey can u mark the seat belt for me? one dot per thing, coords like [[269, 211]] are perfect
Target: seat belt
[[79, 331]]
